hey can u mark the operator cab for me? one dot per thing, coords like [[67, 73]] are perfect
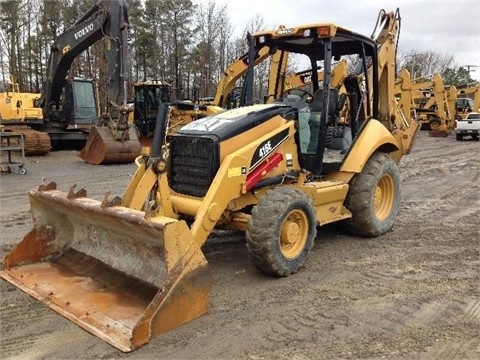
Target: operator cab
[[330, 114]]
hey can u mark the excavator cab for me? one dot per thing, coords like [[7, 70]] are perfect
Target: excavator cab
[[83, 95], [148, 97]]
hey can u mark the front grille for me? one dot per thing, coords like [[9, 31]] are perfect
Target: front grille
[[193, 164]]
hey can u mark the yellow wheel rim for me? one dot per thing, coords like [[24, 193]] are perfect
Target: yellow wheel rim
[[294, 234], [434, 125], [384, 196]]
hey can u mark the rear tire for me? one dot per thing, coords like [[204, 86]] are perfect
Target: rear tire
[[374, 197], [281, 231]]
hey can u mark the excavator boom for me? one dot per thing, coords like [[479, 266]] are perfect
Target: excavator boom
[[117, 142]]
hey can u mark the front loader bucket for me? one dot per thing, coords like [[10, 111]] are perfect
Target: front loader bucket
[[119, 276], [102, 147]]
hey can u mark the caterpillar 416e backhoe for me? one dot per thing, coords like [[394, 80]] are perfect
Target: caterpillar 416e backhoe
[[127, 269]]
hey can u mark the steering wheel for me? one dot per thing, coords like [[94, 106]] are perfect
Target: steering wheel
[[304, 94]]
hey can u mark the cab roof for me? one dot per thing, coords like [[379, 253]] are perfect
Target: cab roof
[[304, 39]]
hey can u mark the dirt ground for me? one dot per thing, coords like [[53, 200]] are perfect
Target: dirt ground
[[410, 294]]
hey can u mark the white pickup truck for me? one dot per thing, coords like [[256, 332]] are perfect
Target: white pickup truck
[[470, 126]]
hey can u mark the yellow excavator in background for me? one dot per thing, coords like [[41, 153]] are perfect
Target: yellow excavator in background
[[128, 269], [17, 109]]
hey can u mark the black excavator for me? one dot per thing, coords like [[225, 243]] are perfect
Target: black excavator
[[115, 140], [71, 113]]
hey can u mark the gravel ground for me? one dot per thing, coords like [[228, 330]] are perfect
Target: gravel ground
[[410, 294]]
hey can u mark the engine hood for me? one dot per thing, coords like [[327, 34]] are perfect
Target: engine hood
[[230, 123]]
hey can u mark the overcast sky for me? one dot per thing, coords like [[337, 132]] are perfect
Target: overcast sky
[[443, 26]]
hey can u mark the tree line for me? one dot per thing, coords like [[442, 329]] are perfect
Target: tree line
[[179, 42], [175, 41]]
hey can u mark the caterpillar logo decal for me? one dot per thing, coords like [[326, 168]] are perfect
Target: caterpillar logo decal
[[267, 147]]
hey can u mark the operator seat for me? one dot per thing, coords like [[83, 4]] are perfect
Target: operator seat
[[338, 137]]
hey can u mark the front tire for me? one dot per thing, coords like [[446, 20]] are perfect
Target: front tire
[[374, 197], [281, 231]]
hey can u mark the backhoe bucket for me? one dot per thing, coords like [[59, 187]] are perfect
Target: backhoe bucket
[[102, 148], [440, 131], [105, 267]]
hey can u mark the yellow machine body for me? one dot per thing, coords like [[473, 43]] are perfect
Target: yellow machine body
[[128, 269]]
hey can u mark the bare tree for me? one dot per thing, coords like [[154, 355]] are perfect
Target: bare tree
[[424, 64]]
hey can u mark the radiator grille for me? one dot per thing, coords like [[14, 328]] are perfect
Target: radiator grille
[[193, 164]]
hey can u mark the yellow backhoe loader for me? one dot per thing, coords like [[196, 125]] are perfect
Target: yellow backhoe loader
[[431, 106], [128, 269]]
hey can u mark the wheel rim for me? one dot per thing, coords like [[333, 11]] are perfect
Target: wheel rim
[[294, 234], [434, 125], [383, 197]]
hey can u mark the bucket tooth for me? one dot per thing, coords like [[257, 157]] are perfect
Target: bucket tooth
[[75, 195], [106, 202], [50, 186]]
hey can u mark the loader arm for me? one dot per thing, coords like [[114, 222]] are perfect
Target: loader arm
[[233, 73]]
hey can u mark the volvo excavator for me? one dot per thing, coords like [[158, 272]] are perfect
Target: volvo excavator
[[20, 112], [69, 105], [128, 269], [115, 140]]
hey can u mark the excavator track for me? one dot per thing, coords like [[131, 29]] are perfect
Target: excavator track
[[36, 142]]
